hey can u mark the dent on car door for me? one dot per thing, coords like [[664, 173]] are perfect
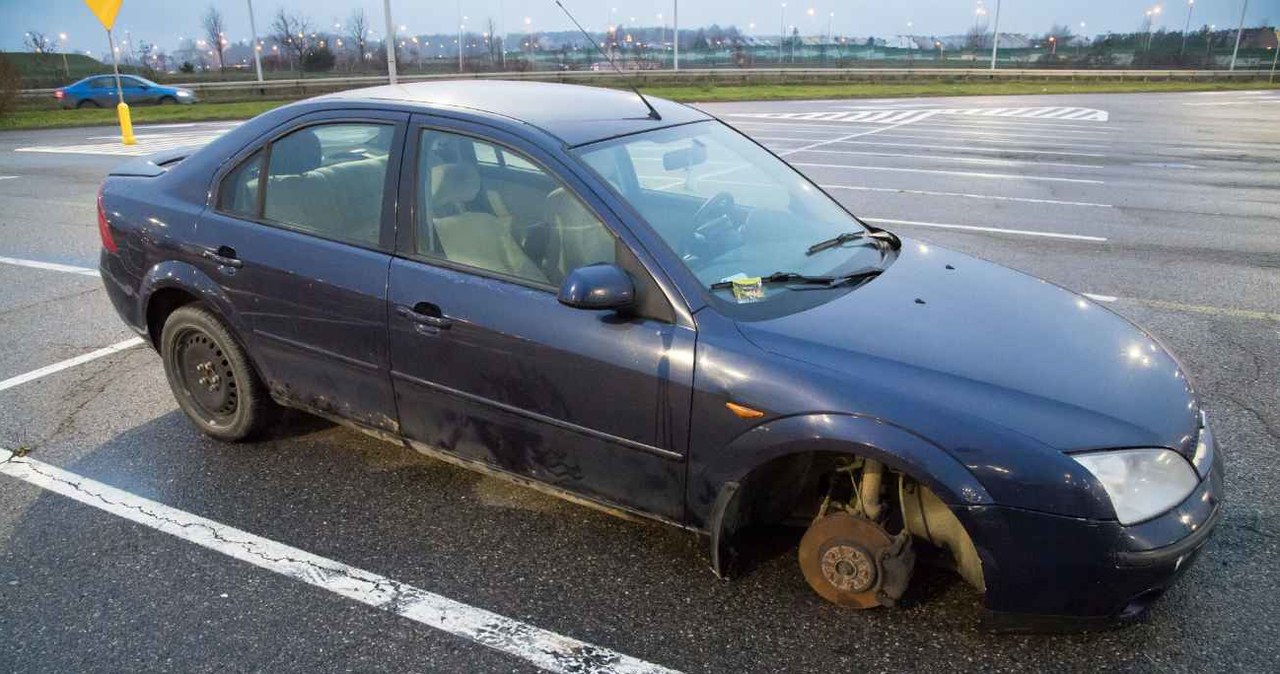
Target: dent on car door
[[489, 366], [299, 237]]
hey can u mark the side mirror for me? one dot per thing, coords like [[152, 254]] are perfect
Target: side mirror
[[597, 286]]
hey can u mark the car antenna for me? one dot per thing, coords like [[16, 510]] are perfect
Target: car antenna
[[653, 113]]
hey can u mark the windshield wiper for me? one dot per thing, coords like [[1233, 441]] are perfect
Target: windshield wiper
[[805, 282], [837, 240]]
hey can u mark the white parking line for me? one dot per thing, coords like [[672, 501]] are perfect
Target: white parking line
[[49, 266], [69, 363], [932, 134], [965, 174], [1029, 200], [542, 648], [931, 146], [1100, 298], [996, 230], [969, 160], [8, 177]]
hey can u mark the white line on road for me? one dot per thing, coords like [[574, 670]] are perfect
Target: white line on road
[[1056, 202], [996, 230], [8, 177], [1100, 298], [967, 174], [968, 160], [49, 266], [542, 648], [930, 146], [69, 363], [842, 139]]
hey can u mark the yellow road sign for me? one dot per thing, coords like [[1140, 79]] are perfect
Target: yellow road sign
[[105, 10]]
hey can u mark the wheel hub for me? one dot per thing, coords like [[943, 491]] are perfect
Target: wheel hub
[[207, 375], [848, 568]]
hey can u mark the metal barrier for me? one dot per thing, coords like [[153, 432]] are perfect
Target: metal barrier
[[709, 76]]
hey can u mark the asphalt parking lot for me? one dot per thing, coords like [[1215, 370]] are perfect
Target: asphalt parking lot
[[1165, 207]]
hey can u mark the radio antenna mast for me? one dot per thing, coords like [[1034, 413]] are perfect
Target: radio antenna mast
[[653, 114]]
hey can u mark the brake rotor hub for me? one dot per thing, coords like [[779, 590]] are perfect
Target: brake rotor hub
[[852, 561]]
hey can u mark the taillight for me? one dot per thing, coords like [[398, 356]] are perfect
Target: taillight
[[58, 93], [103, 229]]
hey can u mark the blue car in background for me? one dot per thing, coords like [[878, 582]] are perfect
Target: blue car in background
[[99, 91]]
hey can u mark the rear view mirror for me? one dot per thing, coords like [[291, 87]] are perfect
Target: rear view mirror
[[685, 157], [597, 286]]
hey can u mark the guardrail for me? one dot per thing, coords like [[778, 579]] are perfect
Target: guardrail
[[315, 85]]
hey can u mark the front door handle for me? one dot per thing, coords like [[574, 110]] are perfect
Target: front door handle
[[426, 314], [223, 256]]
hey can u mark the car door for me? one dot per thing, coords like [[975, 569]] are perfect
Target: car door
[[299, 236], [485, 362], [102, 90]]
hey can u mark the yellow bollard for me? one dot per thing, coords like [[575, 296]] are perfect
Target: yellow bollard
[[126, 124]]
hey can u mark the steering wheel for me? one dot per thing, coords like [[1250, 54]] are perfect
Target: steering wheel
[[713, 218]]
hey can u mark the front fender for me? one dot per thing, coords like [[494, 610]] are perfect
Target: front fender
[[868, 437], [189, 278]]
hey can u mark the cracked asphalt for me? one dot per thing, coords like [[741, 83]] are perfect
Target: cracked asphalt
[[1185, 192]]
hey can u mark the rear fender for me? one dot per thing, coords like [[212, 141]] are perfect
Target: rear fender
[[185, 276]]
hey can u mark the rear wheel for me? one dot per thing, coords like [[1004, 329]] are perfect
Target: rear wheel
[[211, 377], [88, 103]]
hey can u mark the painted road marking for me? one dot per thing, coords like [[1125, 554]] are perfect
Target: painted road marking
[[917, 129], [993, 197], [995, 230], [49, 266], [8, 177], [1100, 298], [970, 160], [148, 143], [924, 146], [69, 363], [542, 648], [966, 174], [896, 116]]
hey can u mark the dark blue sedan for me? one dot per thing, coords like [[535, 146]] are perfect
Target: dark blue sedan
[[99, 91], [642, 310]]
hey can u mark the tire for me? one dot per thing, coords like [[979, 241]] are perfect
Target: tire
[[168, 100], [87, 103], [211, 376]]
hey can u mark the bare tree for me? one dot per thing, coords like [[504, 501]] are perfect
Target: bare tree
[[214, 33], [358, 27], [38, 43], [976, 38], [495, 53], [290, 30]]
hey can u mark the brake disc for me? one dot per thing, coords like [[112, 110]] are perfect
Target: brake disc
[[852, 561]]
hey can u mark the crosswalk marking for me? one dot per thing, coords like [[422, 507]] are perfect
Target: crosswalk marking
[[149, 141], [900, 116]]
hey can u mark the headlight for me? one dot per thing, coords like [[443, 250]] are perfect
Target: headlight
[[1142, 483]]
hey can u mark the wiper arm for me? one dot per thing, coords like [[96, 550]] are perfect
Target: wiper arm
[[837, 240], [779, 277], [805, 282]]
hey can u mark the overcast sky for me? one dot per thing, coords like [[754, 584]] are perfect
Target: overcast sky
[[165, 21]]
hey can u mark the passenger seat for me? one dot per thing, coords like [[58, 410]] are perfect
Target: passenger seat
[[470, 237]]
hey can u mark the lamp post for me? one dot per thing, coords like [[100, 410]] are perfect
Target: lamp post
[[528, 36], [1191, 4], [62, 47], [1239, 32], [995, 37], [675, 34], [1053, 45], [390, 42], [782, 31], [253, 30]]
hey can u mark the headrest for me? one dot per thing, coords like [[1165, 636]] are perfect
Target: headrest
[[296, 153], [453, 184]]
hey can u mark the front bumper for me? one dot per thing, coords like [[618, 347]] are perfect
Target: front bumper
[[1051, 573]]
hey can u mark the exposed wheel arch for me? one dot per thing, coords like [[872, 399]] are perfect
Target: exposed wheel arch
[[160, 304]]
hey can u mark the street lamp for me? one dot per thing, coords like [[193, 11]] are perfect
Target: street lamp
[[1053, 45], [782, 31], [62, 44], [1191, 4], [528, 31]]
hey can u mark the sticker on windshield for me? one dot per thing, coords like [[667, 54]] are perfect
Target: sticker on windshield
[[748, 289]]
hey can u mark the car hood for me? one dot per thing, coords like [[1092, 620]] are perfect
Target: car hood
[[943, 334]]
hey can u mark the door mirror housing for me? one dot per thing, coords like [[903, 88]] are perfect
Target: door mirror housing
[[597, 286]]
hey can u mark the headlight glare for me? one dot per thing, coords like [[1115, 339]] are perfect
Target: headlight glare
[[1141, 483]]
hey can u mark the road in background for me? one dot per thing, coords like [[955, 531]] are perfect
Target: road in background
[[1164, 207]]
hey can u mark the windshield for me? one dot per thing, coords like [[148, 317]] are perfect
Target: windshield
[[729, 208]]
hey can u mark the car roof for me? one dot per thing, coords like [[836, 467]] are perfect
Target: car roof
[[573, 113]]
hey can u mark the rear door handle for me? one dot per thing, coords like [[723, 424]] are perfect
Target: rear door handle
[[425, 313], [224, 256]]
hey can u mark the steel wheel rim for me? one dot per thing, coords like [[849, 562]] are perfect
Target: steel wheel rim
[[204, 370]]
